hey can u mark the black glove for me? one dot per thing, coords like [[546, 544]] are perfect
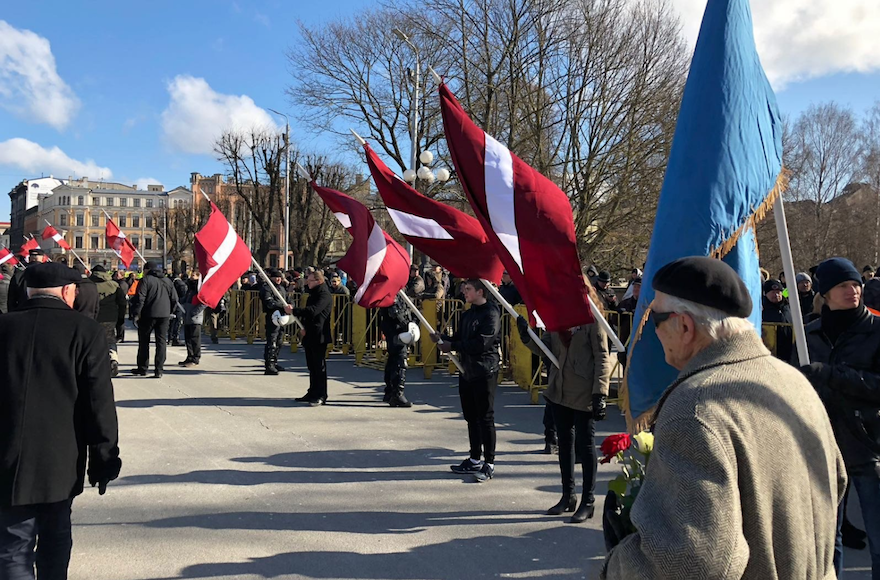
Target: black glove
[[613, 525], [101, 473], [599, 408], [522, 326]]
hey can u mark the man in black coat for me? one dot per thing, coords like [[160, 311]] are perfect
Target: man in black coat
[[806, 295], [87, 299], [393, 321], [156, 301], [17, 295], [776, 312], [58, 419], [844, 347], [508, 291], [478, 342], [316, 319], [120, 324], [274, 334], [176, 323]]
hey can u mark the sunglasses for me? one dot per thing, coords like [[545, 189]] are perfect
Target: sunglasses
[[661, 317]]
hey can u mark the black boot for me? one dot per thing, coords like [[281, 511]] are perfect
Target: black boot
[[398, 400], [584, 511], [387, 397], [270, 369], [566, 504]]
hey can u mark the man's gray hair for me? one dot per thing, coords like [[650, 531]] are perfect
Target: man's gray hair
[[716, 323]]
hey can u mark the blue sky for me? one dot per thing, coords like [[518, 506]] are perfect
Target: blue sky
[[133, 84]]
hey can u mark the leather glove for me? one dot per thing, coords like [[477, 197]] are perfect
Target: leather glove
[[600, 408], [522, 326], [444, 346], [435, 337]]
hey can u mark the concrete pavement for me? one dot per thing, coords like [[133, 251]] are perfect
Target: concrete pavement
[[225, 476]]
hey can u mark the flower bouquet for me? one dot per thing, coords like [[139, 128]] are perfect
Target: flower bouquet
[[633, 454]]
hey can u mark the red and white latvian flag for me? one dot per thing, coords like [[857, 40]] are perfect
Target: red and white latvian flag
[[376, 262], [222, 256], [119, 243], [52, 233], [7, 257], [527, 217], [452, 238], [28, 245]]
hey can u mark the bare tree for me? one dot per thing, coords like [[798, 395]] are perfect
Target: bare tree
[[254, 159], [870, 169]]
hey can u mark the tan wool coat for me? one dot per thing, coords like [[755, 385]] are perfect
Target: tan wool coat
[[585, 367], [745, 478]]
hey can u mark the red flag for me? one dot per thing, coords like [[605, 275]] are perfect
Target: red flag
[[451, 237], [119, 243], [52, 233], [28, 245], [376, 262], [222, 256], [527, 217], [7, 256]]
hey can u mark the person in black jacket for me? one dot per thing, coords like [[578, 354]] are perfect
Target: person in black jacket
[[58, 419], [806, 294], [393, 321], [176, 323], [508, 291], [478, 342], [17, 294], [120, 324], [274, 334], [844, 348], [156, 301], [87, 299], [775, 310], [316, 336]]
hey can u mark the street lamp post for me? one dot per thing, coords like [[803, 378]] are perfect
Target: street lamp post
[[286, 188], [414, 121]]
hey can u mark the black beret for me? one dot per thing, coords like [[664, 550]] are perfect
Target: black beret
[[151, 265], [50, 275], [771, 285], [36, 252], [99, 268], [706, 281]]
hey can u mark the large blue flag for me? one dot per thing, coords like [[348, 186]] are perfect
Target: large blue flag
[[724, 173]]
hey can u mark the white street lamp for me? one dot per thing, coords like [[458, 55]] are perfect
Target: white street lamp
[[286, 188], [414, 121]]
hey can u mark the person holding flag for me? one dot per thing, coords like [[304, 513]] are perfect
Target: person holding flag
[[316, 336]]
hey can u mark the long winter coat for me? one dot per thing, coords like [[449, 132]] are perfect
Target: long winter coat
[[56, 404], [745, 477], [316, 316], [585, 367]]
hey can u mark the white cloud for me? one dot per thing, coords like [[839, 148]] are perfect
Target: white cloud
[[143, 182], [802, 39], [197, 115], [30, 86], [34, 159]]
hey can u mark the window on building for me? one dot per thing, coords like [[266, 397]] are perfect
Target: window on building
[[95, 242], [148, 221], [160, 243], [78, 242], [137, 202], [123, 202], [149, 203], [63, 220], [95, 220], [80, 219], [161, 203], [80, 200], [122, 221], [96, 200], [109, 202], [148, 242], [135, 241], [273, 260], [135, 221], [273, 240]]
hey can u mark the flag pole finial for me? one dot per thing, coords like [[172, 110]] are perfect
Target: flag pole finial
[[303, 172], [437, 77], [358, 137]]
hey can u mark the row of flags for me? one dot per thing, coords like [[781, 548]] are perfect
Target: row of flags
[[723, 175]]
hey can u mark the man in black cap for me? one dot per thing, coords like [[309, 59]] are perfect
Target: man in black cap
[[416, 284], [274, 333], [742, 445], [156, 300], [603, 289], [776, 316], [844, 347], [806, 294], [58, 419], [18, 285]]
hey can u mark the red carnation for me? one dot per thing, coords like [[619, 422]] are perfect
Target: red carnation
[[613, 445]]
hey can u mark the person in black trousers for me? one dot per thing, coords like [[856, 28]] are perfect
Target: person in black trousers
[[394, 320], [478, 343], [274, 334], [156, 301], [316, 336], [58, 419]]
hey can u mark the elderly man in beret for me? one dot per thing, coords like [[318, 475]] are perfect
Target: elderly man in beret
[[57, 422], [745, 478], [844, 347]]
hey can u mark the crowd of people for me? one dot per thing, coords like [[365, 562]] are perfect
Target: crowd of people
[[712, 504]]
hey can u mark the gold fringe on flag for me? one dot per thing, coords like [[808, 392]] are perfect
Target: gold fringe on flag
[[643, 421]]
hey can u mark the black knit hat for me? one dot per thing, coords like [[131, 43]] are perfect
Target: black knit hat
[[771, 285], [604, 276], [274, 273], [706, 281], [834, 271]]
